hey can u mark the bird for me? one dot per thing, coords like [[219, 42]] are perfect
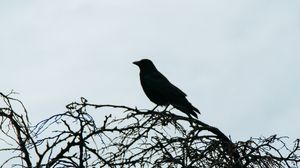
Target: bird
[[161, 91]]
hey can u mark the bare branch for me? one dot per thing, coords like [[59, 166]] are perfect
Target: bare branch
[[136, 138]]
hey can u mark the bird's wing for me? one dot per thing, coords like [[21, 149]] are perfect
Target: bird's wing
[[160, 84]]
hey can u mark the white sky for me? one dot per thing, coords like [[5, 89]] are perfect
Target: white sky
[[238, 61]]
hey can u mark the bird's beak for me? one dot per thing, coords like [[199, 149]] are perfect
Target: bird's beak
[[136, 63]]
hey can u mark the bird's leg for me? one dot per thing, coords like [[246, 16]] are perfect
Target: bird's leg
[[154, 107], [166, 108]]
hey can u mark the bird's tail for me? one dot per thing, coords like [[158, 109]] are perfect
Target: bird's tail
[[195, 109], [188, 109]]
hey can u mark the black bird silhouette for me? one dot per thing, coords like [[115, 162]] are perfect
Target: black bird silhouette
[[161, 91]]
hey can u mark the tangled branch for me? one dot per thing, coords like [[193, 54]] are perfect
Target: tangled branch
[[134, 138]]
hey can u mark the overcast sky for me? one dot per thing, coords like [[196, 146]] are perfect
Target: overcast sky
[[238, 61]]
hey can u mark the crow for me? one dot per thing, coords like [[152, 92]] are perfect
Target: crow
[[161, 91]]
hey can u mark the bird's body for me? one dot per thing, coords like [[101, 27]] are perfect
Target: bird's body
[[161, 91]]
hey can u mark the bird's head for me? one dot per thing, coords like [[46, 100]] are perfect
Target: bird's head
[[145, 65]]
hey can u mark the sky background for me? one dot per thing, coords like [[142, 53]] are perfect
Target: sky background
[[238, 61]]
